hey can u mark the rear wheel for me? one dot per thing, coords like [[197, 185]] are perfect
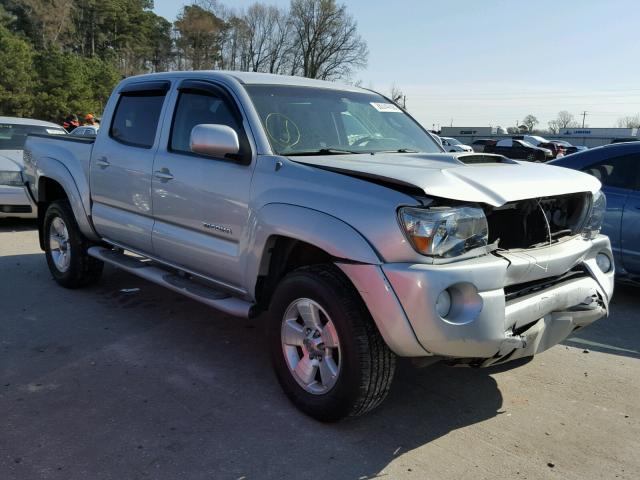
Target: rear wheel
[[66, 248], [326, 350]]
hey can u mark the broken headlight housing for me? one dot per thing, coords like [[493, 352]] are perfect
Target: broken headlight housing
[[598, 208], [444, 231]]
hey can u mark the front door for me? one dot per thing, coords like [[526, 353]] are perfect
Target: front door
[[630, 232], [200, 202], [618, 176], [121, 166]]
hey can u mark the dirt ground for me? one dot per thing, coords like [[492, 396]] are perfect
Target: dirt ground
[[103, 383]]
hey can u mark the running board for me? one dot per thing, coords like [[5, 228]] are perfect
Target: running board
[[150, 271]]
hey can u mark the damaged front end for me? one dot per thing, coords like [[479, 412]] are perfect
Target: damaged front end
[[536, 222], [544, 278]]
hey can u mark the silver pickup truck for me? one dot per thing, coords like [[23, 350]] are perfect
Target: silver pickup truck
[[332, 214]]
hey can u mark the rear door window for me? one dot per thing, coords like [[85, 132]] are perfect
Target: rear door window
[[135, 120]]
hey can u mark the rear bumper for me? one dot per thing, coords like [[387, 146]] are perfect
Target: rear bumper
[[16, 203], [504, 306]]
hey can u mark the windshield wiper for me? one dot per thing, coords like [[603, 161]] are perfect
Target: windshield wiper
[[399, 150], [323, 151]]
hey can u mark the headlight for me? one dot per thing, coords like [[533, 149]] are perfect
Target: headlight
[[13, 179], [596, 216], [444, 231]]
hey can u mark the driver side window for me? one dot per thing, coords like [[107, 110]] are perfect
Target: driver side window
[[194, 109]]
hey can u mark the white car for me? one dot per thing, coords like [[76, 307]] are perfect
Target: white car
[[90, 131], [452, 145], [14, 201]]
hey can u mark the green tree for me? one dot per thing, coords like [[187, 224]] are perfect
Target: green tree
[[200, 31], [64, 86], [17, 79]]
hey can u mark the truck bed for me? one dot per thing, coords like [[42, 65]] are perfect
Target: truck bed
[[73, 153]]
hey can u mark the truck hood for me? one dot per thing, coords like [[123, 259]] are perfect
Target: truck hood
[[10, 160], [444, 175]]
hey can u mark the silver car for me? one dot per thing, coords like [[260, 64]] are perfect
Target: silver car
[[14, 200], [330, 214]]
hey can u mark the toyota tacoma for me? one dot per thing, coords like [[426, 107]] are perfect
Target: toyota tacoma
[[331, 214]]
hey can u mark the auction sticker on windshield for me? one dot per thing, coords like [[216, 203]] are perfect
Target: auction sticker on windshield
[[385, 107]]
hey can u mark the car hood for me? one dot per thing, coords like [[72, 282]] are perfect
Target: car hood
[[443, 175], [11, 160]]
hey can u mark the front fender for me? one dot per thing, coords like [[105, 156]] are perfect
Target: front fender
[[319, 229], [55, 170]]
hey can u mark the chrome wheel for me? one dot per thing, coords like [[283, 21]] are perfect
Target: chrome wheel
[[311, 346], [59, 244]]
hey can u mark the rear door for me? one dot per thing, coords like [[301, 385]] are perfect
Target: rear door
[[122, 164], [201, 202], [618, 176]]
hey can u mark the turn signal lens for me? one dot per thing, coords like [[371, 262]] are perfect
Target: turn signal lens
[[596, 216]]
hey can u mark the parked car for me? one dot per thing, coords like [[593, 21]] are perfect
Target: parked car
[[519, 149], [569, 148], [625, 140], [557, 150], [618, 169], [85, 131], [257, 193], [480, 144], [452, 145], [14, 201]]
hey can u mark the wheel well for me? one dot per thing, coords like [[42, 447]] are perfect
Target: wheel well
[[48, 191], [281, 256]]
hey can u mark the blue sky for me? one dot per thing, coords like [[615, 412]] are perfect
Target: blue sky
[[492, 62]]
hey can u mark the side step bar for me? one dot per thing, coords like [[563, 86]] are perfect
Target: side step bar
[[152, 272]]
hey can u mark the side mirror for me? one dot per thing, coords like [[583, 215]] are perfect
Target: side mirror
[[215, 140]]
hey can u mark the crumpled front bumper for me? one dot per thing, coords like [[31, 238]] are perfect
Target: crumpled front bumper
[[505, 305]]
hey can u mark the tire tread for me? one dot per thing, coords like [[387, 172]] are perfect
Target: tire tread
[[375, 356]]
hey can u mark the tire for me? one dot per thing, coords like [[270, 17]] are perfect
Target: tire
[[363, 362], [66, 248]]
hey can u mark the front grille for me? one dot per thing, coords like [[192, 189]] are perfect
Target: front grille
[[15, 208], [520, 290], [537, 221]]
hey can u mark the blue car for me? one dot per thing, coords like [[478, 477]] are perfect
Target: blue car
[[617, 166]]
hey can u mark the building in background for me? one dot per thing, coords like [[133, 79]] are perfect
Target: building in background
[[590, 137]]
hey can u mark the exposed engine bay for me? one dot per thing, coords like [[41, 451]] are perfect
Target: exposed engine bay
[[538, 221]]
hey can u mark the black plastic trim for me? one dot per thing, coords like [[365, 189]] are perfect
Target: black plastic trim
[[158, 87]]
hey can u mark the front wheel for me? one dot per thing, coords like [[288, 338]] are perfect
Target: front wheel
[[66, 248], [325, 348]]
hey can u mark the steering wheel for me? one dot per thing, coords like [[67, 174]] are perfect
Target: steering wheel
[[361, 141]]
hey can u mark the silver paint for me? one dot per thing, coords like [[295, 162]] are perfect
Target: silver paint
[[163, 204]]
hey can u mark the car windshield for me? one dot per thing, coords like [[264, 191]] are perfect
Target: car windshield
[[317, 121], [13, 135], [452, 141]]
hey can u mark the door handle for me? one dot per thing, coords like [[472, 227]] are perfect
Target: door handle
[[102, 162], [164, 175]]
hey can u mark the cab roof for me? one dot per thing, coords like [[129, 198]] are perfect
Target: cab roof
[[251, 78]]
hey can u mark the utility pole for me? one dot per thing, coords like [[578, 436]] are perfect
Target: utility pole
[[584, 114]]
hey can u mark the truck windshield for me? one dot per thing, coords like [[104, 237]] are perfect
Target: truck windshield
[[319, 121], [13, 135]]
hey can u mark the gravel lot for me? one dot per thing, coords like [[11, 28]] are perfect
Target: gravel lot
[[107, 384]]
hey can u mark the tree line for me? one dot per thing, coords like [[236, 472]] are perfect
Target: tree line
[[65, 56]]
